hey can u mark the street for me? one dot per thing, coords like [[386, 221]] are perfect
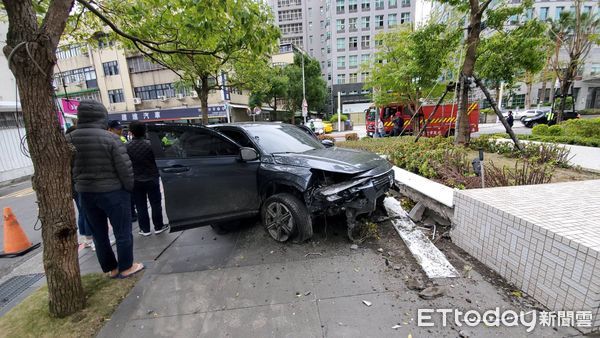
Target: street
[[21, 198], [494, 128]]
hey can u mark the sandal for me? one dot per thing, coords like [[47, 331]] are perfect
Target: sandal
[[137, 268], [112, 275]]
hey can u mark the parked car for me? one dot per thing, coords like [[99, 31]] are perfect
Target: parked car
[[521, 115], [212, 175]]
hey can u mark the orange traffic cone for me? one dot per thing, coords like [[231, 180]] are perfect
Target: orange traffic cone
[[16, 242]]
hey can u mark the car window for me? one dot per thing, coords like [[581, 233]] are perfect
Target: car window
[[239, 137], [282, 139], [189, 144]]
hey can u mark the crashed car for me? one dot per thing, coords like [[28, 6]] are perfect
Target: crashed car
[[214, 175]]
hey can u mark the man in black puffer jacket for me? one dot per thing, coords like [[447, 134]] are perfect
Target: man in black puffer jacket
[[103, 177]]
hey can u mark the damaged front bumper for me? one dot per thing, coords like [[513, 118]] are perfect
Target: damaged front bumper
[[353, 197]]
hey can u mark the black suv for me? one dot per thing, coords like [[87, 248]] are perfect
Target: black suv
[[221, 173]]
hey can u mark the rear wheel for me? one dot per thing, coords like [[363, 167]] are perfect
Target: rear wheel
[[285, 216]]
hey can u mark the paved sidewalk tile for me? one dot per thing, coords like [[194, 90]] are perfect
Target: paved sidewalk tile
[[183, 326]]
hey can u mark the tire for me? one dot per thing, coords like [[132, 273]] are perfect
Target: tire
[[294, 219]]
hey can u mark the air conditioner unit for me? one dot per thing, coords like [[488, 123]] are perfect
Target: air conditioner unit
[[162, 98], [180, 96], [194, 95], [137, 100]]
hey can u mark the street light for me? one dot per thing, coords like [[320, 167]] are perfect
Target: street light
[[304, 103]]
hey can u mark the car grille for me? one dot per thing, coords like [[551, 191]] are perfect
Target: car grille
[[383, 181]]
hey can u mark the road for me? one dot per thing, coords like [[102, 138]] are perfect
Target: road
[[493, 128], [21, 198]]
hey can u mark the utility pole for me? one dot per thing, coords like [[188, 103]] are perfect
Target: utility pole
[[304, 103], [339, 112]]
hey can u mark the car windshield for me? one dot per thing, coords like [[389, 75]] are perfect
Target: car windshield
[[282, 139]]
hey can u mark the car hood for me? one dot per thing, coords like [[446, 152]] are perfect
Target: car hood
[[340, 160]]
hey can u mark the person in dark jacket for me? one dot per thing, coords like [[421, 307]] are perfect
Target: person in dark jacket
[[510, 119], [103, 178], [116, 128], [146, 184]]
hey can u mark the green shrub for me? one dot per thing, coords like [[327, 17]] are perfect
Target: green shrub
[[555, 130], [334, 118], [540, 129], [589, 111], [582, 127]]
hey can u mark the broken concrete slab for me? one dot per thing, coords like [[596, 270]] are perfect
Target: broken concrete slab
[[416, 213], [432, 260], [432, 292]]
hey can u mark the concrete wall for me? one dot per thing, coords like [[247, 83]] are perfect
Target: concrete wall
[[544, 239]]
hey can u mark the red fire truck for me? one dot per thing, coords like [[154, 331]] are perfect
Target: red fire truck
[[442, 123]]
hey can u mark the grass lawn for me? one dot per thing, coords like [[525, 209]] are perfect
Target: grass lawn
[[31, 318]]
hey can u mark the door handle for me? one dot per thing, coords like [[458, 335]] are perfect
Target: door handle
[[176, 169]]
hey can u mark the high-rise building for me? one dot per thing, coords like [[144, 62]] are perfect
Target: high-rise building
[[586, 88], [341, 35]]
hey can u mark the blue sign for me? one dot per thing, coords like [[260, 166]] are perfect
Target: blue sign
[[168, 114]]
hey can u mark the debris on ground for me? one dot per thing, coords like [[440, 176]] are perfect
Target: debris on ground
[[415, 284], [307, 293], [313, 253], [396, 327], [354, 247], [380, 250], [367, 303], [432, 292], [416, 213], [463, 334], [467, 270], [517, 293]]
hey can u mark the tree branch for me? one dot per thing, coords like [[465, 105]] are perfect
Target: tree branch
[[146, 43], [483, 7], [56, 19]]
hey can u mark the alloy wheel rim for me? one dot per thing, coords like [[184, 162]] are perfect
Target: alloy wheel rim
[[279, 221]]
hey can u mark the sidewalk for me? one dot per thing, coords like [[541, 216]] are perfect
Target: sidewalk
[[244, 284]]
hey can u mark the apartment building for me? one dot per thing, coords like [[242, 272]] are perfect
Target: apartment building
[[133, 88], [341, 35], [586, 89]]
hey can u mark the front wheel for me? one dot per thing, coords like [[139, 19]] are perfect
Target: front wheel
[[285, 216]]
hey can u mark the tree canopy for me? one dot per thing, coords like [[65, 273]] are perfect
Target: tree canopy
[[410, 62]]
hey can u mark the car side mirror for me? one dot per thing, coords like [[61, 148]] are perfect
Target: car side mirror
[[248, 154], [327, 143]]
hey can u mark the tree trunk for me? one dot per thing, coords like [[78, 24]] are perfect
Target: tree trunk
[[565, 87], [203, 92], [463, 130], [50, 153], [529, 84]]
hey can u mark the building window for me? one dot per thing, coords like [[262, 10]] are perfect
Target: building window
[[116, 96], [404, 18], [353, 78], [138, 64], [544, 13], [291, 28], [558, 11], [69, 51], [378, 21], [353, 61], [110, 68], [339, 6], [405, 3], [288, 3], [364, 76], [379, 4], [105, 42], [392, 20], [365, 23], [341, 78], [322, 51], [352, 24], [78, 76], [392, 3], [153, 92], [341, 43], [353, 43], [341, 62], [365, 58], [297, 41], [290, 15], [378, 42], [365, 42], [513, 20], [340, 25], [595, 69], [352, 6], [587, 9], [529, 14], [328, 76], [365, 5]]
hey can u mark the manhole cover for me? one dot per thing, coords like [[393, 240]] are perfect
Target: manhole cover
[[13, 287]]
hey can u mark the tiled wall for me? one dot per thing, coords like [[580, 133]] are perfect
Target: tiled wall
[[554, 266]]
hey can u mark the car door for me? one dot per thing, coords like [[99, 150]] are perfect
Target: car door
[[204, 179]]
